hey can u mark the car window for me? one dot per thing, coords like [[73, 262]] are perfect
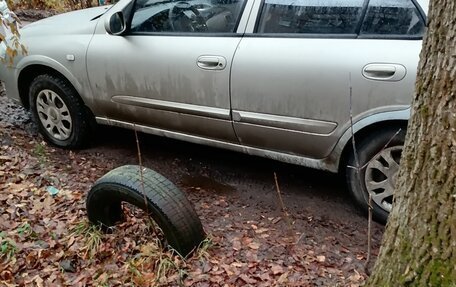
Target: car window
[[310, 16], [392, 17], [202, 16]]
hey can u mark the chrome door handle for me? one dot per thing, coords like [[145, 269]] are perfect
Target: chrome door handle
[[384, 72], [211, 62]]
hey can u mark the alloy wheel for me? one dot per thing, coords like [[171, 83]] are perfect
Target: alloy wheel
[[54, 115], [381, 174]]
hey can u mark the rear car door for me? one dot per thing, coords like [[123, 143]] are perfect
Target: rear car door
[[293, 70], [171, 70]]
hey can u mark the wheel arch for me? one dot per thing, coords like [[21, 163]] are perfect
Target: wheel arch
[[31, 67], [365, 127]]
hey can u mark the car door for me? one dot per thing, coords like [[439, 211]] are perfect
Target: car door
[[292, 72], [171, 69]]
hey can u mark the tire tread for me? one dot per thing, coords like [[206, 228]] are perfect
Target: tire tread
[[80, 116], [162, 196]]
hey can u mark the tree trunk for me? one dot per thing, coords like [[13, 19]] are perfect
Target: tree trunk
[[419, 245]]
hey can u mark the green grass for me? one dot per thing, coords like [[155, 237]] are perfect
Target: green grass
[[39, 151], [25, 230], [203, 249], [92, 237], [7, 247], [153, 258]]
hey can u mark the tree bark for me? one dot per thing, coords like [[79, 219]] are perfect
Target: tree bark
[[419, 245]]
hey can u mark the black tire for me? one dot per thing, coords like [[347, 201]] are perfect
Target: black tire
[[166, 204], [80, 117], [368, 148]]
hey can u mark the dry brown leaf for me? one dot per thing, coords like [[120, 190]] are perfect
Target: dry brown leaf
[[276, 220], [321, 258], [228, 270], [254, 245], [261, 230], [237, 245], [360, 257], [356, 278], [247, 279], [283, 278], [71, 241], [264, 277], [277, 269], [6, 275]]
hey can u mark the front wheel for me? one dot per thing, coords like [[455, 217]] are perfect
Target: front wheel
[[58, 111], [379, 156]]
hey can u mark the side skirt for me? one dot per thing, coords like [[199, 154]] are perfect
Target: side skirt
[[320, 164]]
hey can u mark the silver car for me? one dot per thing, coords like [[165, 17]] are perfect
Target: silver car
[[271, 78]]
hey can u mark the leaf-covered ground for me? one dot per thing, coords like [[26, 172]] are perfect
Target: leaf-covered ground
[[45, 239]]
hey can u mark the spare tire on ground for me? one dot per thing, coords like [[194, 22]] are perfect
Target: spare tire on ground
[[164, 202]]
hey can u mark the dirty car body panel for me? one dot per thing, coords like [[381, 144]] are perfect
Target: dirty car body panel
[[245, 80]]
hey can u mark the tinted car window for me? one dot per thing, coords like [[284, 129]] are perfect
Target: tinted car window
[[392, 17], [310, 16], [186, 16]]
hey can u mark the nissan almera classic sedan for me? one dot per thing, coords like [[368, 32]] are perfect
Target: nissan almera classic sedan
[[270, 78]]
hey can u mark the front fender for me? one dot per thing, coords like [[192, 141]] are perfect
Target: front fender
[[50, 63]]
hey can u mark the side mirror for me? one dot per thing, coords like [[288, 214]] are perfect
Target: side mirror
[[116, 24]]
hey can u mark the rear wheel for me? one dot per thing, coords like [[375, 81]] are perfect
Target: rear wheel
[[60, 114], [379, 157]]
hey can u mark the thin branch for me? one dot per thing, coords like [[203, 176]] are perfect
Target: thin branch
[[352, 129], [141, 176], [377, 154], [284, 209], [141, 173], [357, 169]]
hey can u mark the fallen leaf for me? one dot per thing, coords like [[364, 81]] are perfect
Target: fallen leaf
[[237, 245], [283, 278], [254, 245], [276, 220], [321, 258], [247, 279], [277, 269]]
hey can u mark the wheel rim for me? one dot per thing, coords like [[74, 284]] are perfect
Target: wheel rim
[[380, 178], [54, 115]]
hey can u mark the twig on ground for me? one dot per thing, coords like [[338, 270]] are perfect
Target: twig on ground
[[283, 207], [299, 239], [141, 175], [358, 169]]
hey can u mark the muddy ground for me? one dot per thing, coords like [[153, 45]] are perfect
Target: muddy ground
[[234, 194]]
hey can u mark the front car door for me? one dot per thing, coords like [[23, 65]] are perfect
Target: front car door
[[293, 70], [171, 70]]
